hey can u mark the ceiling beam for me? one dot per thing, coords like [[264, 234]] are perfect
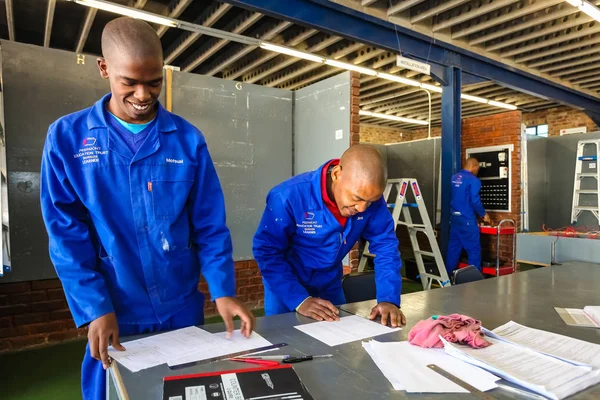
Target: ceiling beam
[[559, 50], [443, 7], [208, 18], [366, 3], [266, 56], [225, 62], [402, 6], [140, 4], [563, 26], [247, 20], [176, 8], [272, 68], [10, 19], [474, 13], [508, 16], [90, 15], [550, 41], [49, 22]]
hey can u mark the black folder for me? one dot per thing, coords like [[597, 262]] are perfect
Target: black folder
[[269, 383]]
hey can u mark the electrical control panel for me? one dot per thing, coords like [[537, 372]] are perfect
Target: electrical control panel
[[494, 173]]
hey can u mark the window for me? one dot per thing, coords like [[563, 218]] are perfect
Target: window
[[539, 130]]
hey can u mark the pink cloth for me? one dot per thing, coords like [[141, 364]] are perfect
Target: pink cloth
[[454, 328]]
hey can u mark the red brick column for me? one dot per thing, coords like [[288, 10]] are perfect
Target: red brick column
[[354, 140]]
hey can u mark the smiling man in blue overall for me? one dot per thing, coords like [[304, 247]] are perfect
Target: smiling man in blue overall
[[134, 209], [309, 225], [465, 207]]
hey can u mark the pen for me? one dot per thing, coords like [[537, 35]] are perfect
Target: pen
[[525, 393], [255, 361], [279, 358], [293, 360]]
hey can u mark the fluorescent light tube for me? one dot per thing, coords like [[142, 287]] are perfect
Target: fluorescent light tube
[[393, 118], [128, 12], [400, 79], [351, 67], [474, 98], [502, 105], [291, 52]]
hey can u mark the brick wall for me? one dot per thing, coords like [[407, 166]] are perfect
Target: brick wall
[[36, 313], [559, 118], [496, 130], [421, 133], [355, 130], [375, 134]]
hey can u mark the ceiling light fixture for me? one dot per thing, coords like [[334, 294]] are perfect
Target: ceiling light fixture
[[393, 118], [586, 7], [129, 12], [350, 67], [291, 52]]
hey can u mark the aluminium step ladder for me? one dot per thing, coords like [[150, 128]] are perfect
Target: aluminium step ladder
[[590, 173], [401, 208]]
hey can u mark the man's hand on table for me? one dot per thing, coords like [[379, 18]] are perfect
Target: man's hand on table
[[319, 309], [230, 307], [388, 310]]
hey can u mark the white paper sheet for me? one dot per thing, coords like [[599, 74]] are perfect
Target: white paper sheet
[[223, 347], [405, 366], [159, 349], [540, 373], [566, 348], [187, 344], [346, 330], [576, 317]]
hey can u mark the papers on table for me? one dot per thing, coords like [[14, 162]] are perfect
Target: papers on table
[[405, 366], [346, 330], [235, 344], [188, 344], [589, 317], [538, 372], [535, 360], [565, 348]]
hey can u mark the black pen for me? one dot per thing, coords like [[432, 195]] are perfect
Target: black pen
[[293, 360]]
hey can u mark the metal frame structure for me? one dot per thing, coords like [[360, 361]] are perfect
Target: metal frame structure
[[349, 23]]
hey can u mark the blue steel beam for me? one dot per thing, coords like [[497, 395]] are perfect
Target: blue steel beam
[[451, 145], [337, 19]]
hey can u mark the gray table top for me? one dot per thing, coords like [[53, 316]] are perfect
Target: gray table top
[[528, 298]]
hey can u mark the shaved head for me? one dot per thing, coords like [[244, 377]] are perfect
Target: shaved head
[[131, 38], [133, 63], [472, 165], [358, 180], [364, 162]]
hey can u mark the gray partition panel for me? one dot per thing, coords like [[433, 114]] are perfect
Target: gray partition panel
[[321, 122], [419, 159], [562, 152], [39, 86], [248, 129], [537, 178]]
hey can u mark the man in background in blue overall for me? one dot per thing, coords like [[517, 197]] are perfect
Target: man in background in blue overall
[[134, 209], [312, 221], [465, 207]]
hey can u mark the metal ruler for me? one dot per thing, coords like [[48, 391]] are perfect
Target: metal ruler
[[474, 391], [227, 356]]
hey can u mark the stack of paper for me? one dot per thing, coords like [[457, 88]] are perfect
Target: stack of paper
[[346, 330], [566, 348], [405, 366], [535, 360], [182, 346]]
